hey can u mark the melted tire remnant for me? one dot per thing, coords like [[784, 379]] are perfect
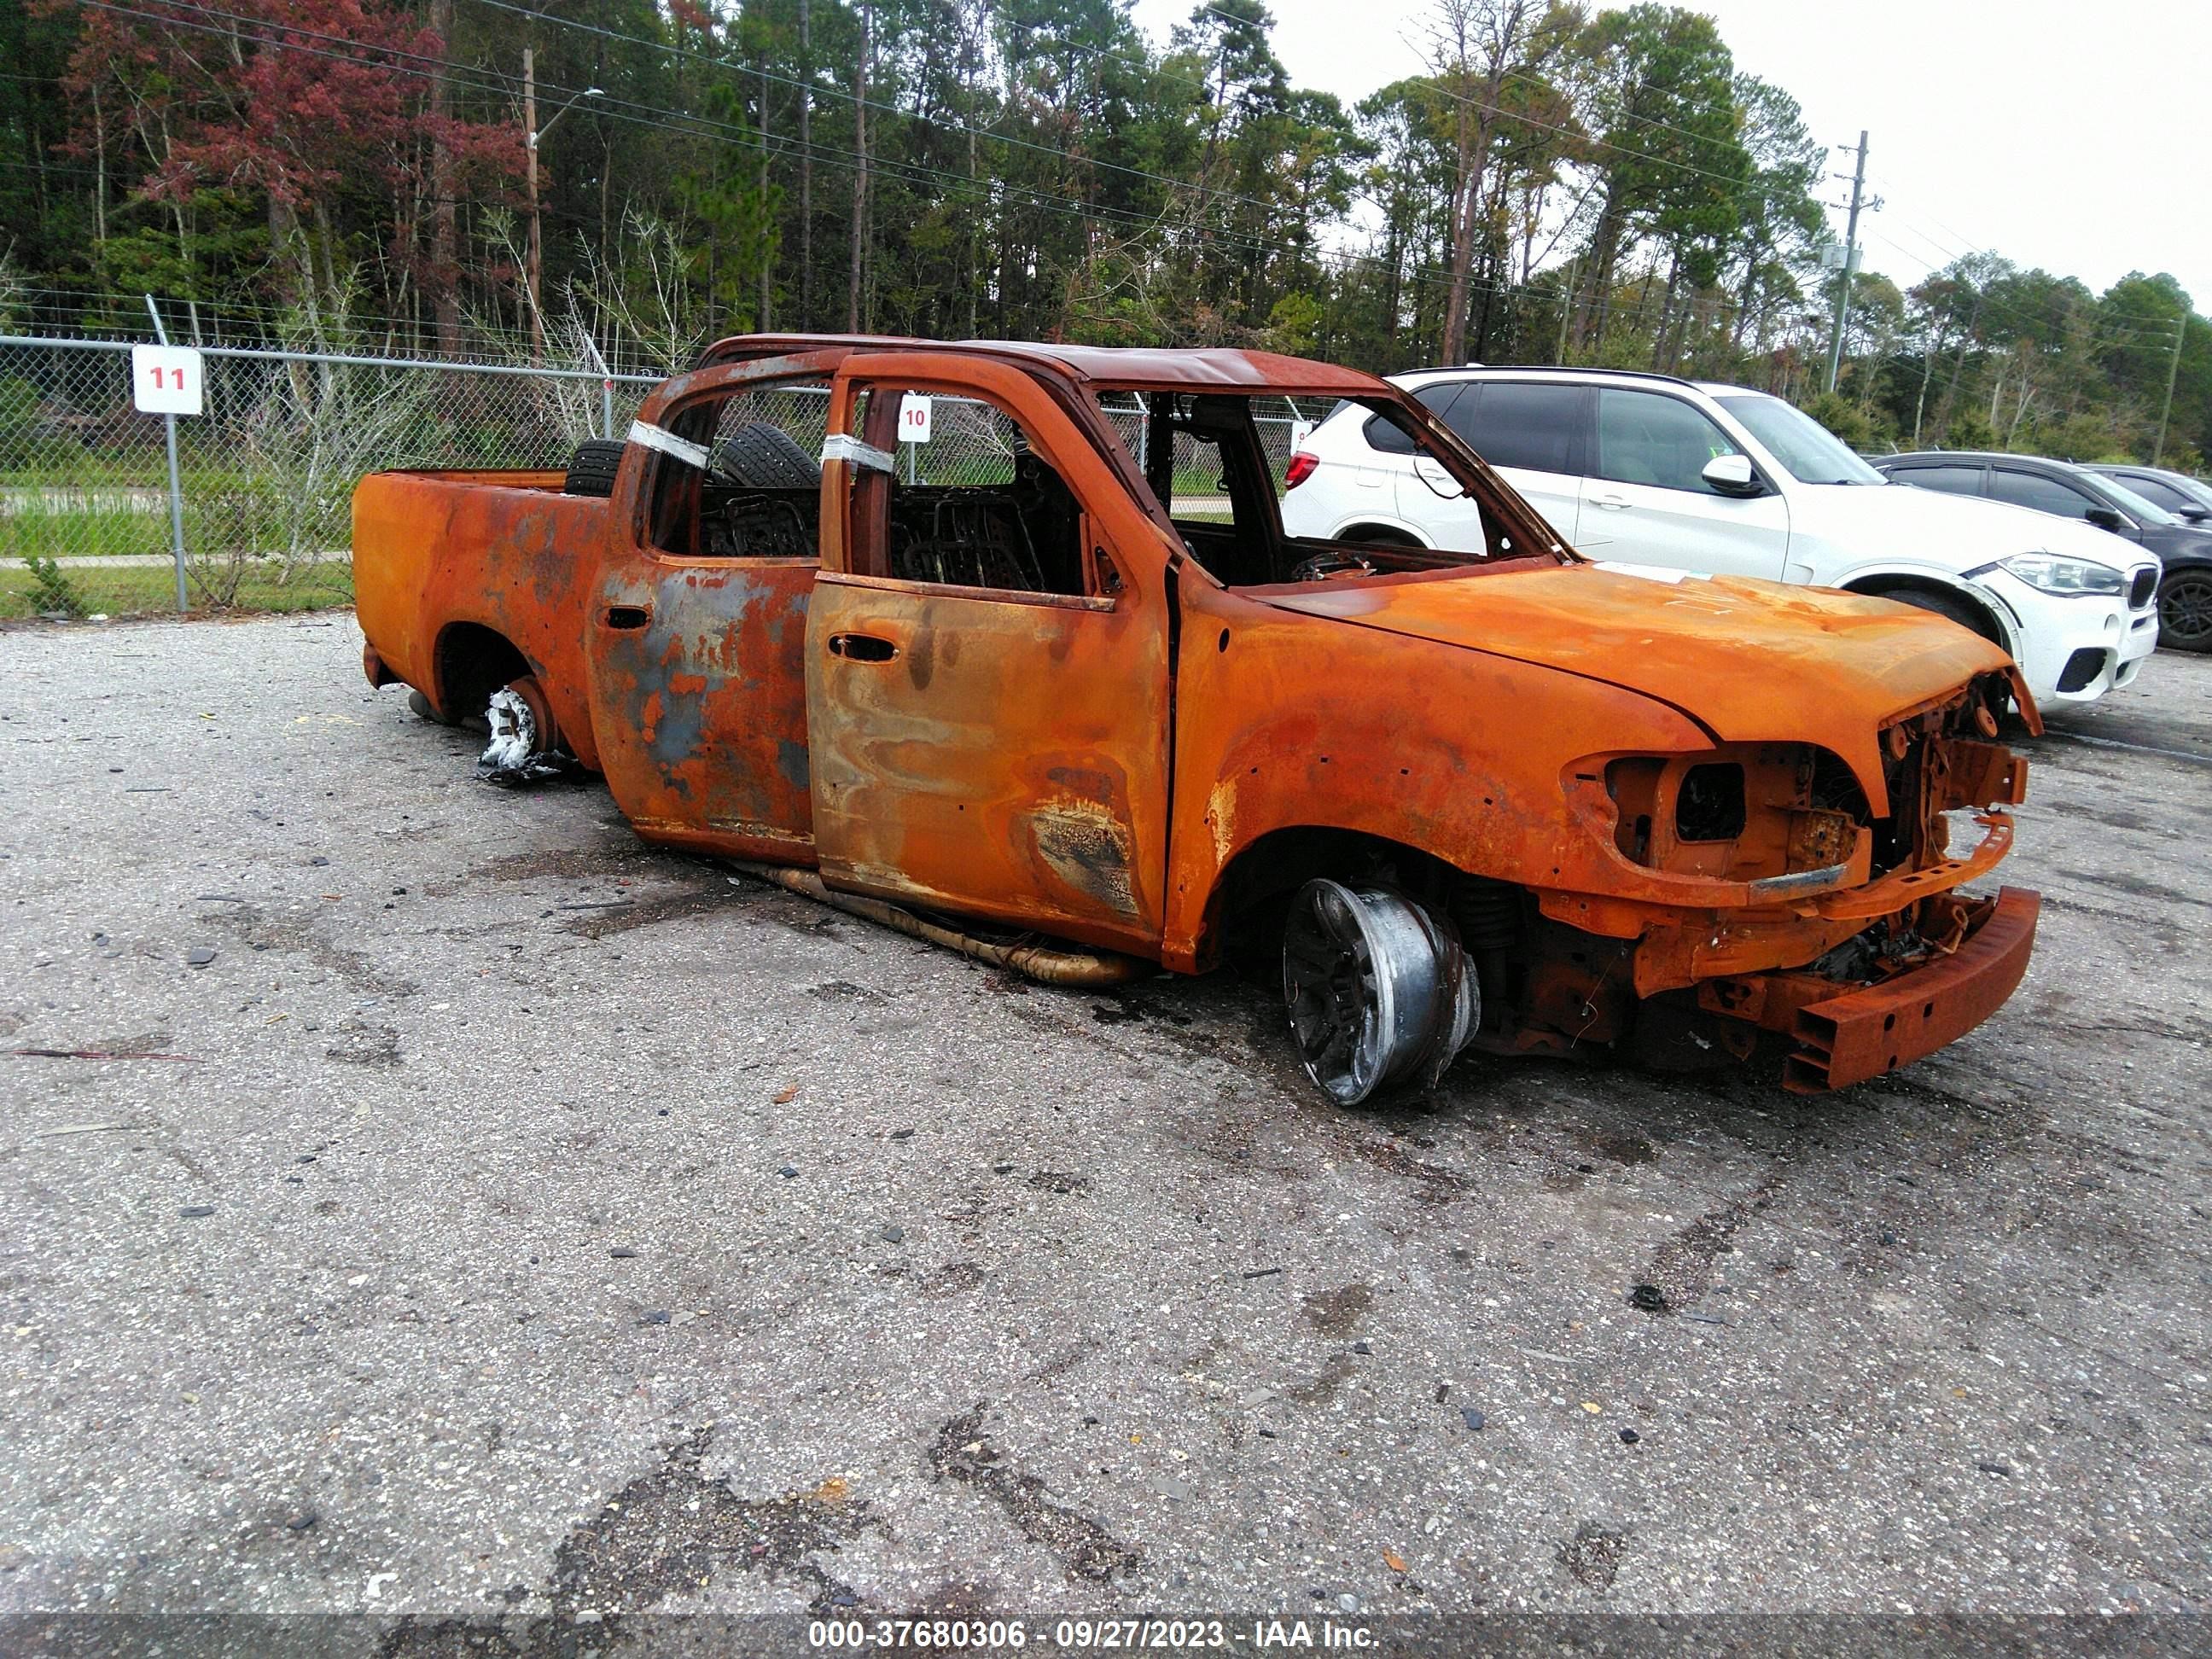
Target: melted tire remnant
[[1593, 1554], [523, 744], [1439, 1185], [1682, 1267], [1086, 1549], [1337, 1312], [669, 1532]]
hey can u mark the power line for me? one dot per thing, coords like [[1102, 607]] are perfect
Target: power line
[[608, 105], [493, 83], [655, 117], [748, 137], [755, 72]]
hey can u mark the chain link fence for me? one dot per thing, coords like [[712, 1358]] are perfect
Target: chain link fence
[[266, 474]]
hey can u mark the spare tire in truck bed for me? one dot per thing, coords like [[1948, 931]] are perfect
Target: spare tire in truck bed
[[765, 457], [591, 468]]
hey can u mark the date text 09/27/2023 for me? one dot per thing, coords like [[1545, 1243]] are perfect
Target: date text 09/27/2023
[[1094, 1635]]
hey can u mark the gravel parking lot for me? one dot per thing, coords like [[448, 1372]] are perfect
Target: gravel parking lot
[[499, 1215]]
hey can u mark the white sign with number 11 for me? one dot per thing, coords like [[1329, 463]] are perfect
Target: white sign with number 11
[[166, 379]]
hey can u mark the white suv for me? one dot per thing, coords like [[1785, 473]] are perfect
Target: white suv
[[1676, 476]]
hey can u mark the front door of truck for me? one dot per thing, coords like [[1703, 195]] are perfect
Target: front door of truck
[[987, 660], [697, 635]]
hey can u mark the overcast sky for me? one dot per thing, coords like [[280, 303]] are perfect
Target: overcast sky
[[2073, 137]]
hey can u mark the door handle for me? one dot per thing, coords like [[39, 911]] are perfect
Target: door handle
[[861, 648], [627, 615], [1610, 503]]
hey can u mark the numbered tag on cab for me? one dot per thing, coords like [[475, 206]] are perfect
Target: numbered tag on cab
[[914, 419], [166, 380]]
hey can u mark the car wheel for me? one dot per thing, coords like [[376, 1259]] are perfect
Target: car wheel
[[1369, 535], [1944, 605], [1377, 988], [2185, 609], [524, 744], [765, 457], [591, 469]]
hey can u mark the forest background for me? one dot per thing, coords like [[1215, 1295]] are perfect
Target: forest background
[[1551, 184]]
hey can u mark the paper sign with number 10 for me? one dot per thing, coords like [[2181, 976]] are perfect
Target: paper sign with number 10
[[166, 380], [913, 418]]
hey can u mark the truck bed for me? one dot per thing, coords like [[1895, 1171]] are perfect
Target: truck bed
[[500, 550]]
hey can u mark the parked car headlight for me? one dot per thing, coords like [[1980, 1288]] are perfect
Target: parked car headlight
[[2047, 574]]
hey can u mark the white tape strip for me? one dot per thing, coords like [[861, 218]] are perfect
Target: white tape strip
[[660, 438], [840, 446]]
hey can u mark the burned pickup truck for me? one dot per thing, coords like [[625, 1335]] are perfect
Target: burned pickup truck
[[1070, 678]]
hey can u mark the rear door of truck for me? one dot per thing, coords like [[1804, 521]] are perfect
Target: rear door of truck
[[986, 658], [696, 637]]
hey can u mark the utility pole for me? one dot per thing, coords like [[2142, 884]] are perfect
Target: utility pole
[[767, 269], [534, 256], [1851, 266], [806, 175], [445, 271], [2172, 371], [860, 172], [1566, 310]]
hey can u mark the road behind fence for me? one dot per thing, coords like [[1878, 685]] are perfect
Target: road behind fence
[[265, 475]]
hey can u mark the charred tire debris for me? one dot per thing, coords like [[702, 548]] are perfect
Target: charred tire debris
[[522, 739]]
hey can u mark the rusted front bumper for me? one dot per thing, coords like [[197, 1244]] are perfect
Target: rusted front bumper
[[1866, 1033]]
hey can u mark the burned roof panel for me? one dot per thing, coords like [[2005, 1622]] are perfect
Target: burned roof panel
[[1218, 368]]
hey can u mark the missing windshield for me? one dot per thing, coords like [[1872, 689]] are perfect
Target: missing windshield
[[1227, 467]]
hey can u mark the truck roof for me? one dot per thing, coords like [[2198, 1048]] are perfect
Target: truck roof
[[1134, 368]]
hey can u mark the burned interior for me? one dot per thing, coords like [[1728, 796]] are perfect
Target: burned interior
[[1003, 516]]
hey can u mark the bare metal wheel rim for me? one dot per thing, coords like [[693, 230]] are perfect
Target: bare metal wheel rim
[[1377, 990], [2184, 608]]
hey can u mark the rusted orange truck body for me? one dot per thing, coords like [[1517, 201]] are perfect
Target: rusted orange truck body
[[1674, 813]]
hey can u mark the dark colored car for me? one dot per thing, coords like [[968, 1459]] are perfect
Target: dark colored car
[[2185, 591], [2188, 499]]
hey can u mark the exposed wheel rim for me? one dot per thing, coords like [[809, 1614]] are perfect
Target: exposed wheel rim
[[2184, 611], [1377, 990]]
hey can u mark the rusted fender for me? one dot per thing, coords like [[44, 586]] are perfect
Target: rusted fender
[[1286, 720]]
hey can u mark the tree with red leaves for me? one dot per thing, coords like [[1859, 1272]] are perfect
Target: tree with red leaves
[[307, 106]]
